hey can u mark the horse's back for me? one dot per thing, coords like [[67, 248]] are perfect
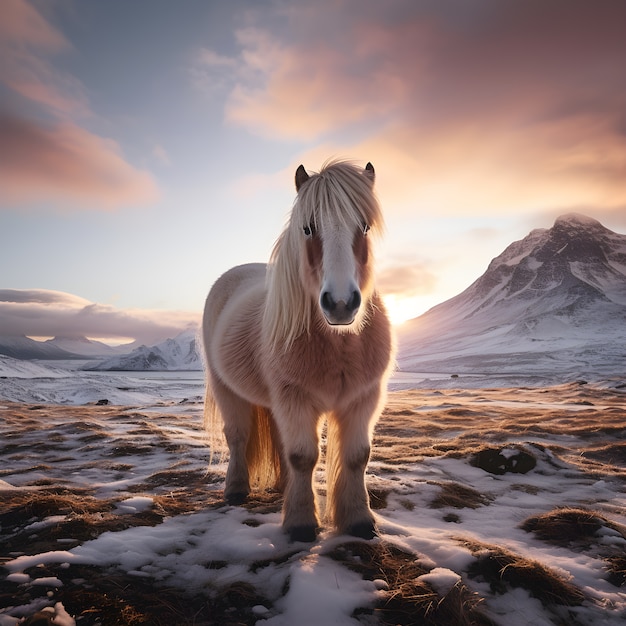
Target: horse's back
[[231, 330], [230, 285]]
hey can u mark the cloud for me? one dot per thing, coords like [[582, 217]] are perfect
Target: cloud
[[22, 24], [63, 163], [27, 40], [55, 162], [212, 73], [46, 313], [161, 155], [406, 280], [478, 107]]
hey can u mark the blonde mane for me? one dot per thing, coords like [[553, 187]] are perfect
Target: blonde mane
[[340, 190]]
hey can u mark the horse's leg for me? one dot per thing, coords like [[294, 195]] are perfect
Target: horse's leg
[[237, 415], [300, 438], [353, 426]]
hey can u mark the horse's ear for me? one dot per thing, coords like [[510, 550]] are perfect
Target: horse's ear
[[301, 177], [369, 172]]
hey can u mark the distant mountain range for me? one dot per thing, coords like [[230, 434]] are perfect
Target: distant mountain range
[[554, 301], [22, 347], [84, 347], [180, 353]]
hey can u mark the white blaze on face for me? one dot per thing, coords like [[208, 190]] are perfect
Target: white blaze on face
[[340, 296]]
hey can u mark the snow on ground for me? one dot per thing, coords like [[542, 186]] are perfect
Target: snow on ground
[[40, 382], [30, 381], [137, 479]]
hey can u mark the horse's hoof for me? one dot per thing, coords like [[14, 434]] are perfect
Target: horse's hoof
[[305, 534], [363, 530], [237, 498]]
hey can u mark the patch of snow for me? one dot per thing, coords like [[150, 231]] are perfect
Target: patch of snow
[[47, 581], [18, 578], [137, 504], [18, 368], [48, 521], [441, 579]]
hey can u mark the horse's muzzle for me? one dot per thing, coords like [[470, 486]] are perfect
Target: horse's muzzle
[[340, 312]]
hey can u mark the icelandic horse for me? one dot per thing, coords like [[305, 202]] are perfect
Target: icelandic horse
[[303, 338]]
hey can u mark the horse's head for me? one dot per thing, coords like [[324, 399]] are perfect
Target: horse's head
[[333, 214]]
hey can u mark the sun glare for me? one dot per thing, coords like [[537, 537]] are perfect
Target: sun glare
[[401, 309]]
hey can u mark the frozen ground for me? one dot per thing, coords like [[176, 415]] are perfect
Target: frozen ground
[[110, 514], [54, 382]]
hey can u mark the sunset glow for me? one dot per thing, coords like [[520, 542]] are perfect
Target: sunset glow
[[146, 150], [402, 309]]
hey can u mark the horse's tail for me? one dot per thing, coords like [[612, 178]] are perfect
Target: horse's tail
[[213, 426], [332, 461], [263, 453]]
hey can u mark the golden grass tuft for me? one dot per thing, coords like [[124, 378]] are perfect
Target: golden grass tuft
[[457, 496], [564, 526], [407, 599], [504, 569]]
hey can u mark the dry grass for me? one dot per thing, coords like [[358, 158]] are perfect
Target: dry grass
[[578, 529], [111, 599], [404, 437], [97, 596], [504, 569], [565, 526], [407, 600], [617, 570], [458, 496]]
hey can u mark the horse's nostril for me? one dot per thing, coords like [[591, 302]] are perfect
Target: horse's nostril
[[327, 302], [355, 301]]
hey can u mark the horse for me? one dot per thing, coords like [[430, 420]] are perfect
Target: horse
[[299, 342]]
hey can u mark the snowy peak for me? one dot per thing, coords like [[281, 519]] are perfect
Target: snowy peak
[[565, 285], [180, 353], [573, 238], [577, 254], [576, 220]]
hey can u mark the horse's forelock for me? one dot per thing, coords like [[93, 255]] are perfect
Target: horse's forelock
[[341, 190]]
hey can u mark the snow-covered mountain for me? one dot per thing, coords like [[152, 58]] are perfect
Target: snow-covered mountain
[[180, 353], [21, 347], [556, 300], [84, 347]]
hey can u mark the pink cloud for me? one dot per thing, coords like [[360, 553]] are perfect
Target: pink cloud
[[21, 24], [64, 164], [27, 41], [58, 163], [407, 280], [304, 91], [473, 109]]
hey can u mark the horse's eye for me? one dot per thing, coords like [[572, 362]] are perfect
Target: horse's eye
[[366, 229], [309, 230]]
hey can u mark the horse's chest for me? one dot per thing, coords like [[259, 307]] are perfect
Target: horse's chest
[[334, 371]]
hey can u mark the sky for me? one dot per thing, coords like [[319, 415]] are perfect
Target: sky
[[146, 147]]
